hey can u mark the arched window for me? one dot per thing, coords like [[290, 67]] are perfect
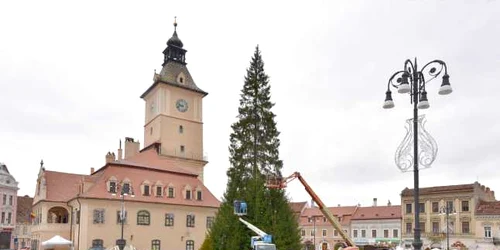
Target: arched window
[[155, 245], [143, 218], [190, 245]]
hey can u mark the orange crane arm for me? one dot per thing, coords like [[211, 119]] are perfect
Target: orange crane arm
[[332, 219]]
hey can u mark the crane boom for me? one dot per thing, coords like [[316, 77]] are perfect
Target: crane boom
[[335, 223], [253, 228]]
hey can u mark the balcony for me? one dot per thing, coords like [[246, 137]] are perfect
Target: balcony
[[50, 227]]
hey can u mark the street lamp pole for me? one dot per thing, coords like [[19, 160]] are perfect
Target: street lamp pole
[[124, 190], [418, 97], [447, 210]]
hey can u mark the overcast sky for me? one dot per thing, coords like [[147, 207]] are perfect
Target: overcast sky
[[71, 74]]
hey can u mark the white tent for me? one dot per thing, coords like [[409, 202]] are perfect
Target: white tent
[[57, 241]]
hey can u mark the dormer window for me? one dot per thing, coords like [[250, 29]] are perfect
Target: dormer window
[[188, 194], [146, 190], [126, 188], [198, 195], [159, 192], [112, 187], [171, 192]]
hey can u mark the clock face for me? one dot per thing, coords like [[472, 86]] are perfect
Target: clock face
[[181, 105]]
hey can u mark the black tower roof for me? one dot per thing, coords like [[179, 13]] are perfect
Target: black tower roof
[[174, 51]]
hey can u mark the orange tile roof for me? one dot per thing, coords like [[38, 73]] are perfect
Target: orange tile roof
[[147, 165], [61, 186], [298, 206], [488, 208], [344, 213], [440, 189], [23, 211], [138, 175], [378, 212]]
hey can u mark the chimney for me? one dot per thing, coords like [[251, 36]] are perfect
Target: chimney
[[110, 157], [120, 152], [131, 147], [389, 203], [338, 205], [374, 202], [92, 170]]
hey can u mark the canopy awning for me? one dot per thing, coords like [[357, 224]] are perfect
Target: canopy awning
[[57, 241]]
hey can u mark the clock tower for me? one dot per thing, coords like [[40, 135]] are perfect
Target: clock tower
[[173, 115]]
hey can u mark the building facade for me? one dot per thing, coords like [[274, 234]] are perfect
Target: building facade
[[458, 225], [8, 193], [317, 232], [487, 228], [22, 233], [154, 197], [376, 225]]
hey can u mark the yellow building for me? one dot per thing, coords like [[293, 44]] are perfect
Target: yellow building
[[462, 201], [154, 198]]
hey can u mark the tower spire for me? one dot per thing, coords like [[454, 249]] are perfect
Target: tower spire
[[174, 51]]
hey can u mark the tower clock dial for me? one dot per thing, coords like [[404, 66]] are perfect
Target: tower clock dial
[[181, 105]]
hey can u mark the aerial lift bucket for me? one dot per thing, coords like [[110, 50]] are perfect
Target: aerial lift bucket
[[240, 208]]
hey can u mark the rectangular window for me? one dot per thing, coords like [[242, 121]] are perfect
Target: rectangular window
[[408, 208], [449, 205], [188, 194], [98, 216], [210, 221], [313, 233], [126, 188], [395, 233], [354, 233], [182, 148], [3, 217], [155, 245], [169, 220], [146, 190], [374, 233], [465, 206], [78, 217], [421, 207], [336, 233], [422, 227], [408, 228], [10, 200], [302, 232], [9, 218], [190, 220], [363, 233], [170, 192], [386, 233], [465, 227], [487, 232], [4, 199], [435, 227], [435, 207], [181, 129], [119, 217], [112, 187], [324, 232], [97, 243], [158, 191], [198, 195]]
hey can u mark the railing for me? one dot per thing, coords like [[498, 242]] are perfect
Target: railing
[[53, 227]]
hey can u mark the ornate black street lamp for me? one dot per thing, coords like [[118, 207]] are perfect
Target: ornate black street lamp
[[413, 81], [124, 191], [447, 210]]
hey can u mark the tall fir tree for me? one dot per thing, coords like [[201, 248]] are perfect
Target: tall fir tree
[[254, 154]]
